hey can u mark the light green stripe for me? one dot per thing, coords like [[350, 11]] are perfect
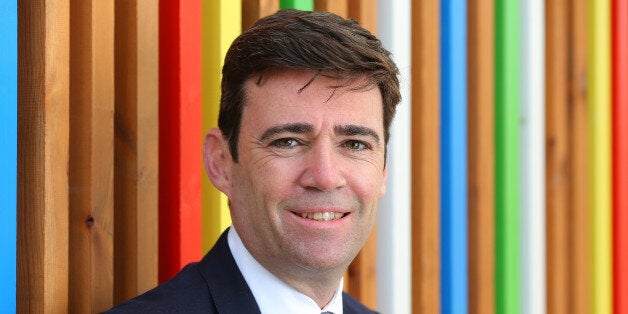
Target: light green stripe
[[304, 5], [507, 74]]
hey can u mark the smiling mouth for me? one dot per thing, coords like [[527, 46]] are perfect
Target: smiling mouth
[[324, 216]]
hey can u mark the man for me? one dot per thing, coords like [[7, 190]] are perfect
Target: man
[[307, 101]]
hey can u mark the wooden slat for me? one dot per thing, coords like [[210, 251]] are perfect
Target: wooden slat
[[532, 128], [453, 143], [340, 7], [253, 10], [507, 215], [600, 155], [579, 233], [620, 155], [180, 166], [91, 155], [8, 159], [481, 157], [365, 12], [557, 156], [426, 157], [136, 148], [43, 133], [221, 25]]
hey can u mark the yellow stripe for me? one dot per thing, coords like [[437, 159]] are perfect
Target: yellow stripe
[[600, 155], [222, 20]]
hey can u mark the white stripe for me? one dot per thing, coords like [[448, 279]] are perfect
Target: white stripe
[[394, 229], [533, 157]]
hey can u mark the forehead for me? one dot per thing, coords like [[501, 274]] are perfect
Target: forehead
[[289, 95]]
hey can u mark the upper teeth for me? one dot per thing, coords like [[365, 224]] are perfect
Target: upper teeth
[[322, 216]]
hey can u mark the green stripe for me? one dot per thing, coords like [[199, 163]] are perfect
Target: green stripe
[[304, 5], [507, 157]]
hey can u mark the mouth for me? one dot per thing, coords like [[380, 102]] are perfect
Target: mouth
[[322, 216]]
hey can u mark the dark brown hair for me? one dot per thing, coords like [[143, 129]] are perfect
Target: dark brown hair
[[292, 39]]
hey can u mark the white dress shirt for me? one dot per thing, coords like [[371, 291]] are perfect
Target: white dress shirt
[[272, 295]]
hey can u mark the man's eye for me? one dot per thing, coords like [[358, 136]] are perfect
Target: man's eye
[[355, 145], [285, 143]]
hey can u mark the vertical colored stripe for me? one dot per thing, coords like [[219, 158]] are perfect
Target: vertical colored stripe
[[426, 156], [8, 158], [557, 155], [481, 152], [304, 5], [222, 22], [507, 156], [579, 236], [620, 156], [454, 154], [394, 231], [180, 166], [600, 155], [532, 200]]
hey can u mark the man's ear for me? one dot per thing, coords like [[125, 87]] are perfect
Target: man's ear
[[217, 160]]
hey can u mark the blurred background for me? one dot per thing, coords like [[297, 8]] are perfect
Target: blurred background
[[508, 158]]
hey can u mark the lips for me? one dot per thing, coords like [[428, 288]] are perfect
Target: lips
[[321, 216]]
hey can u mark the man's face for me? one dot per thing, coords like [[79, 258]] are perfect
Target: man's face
[[311, 170]]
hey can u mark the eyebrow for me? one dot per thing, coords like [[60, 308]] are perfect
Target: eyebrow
[[299, 128], [352, 130], [302, 128]]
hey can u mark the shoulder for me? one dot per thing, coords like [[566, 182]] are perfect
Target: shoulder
[[187, 292], [352, 306]]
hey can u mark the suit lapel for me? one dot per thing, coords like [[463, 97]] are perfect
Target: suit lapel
[[226, 284]]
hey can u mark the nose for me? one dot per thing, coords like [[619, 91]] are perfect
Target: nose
[[322, 169]]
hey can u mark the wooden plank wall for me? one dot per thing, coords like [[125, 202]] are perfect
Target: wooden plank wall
[[136, 147], [8, 159], [91, 156], [481, 159], [66, 191], [557, 155], [43, 154], [426, 157]]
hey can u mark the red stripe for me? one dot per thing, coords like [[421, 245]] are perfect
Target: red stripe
[[620, 154], [180, 132]]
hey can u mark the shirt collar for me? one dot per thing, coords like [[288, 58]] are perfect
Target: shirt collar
[[271, 293]]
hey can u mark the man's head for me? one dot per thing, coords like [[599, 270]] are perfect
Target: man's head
[[307, 101], [292, 39]]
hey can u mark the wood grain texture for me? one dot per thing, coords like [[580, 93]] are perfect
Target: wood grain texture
[[481, 154], [136, 148], [340, 7], [253, 10], [557, 156], [426, 157], [579, 233], [43, 134], [365, 12], [620, 154], [91, 155]]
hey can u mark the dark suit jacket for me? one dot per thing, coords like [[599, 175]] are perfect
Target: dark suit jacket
[[213, 285]]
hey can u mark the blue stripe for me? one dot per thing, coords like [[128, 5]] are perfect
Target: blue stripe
[[454, 157], [8, 156]]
